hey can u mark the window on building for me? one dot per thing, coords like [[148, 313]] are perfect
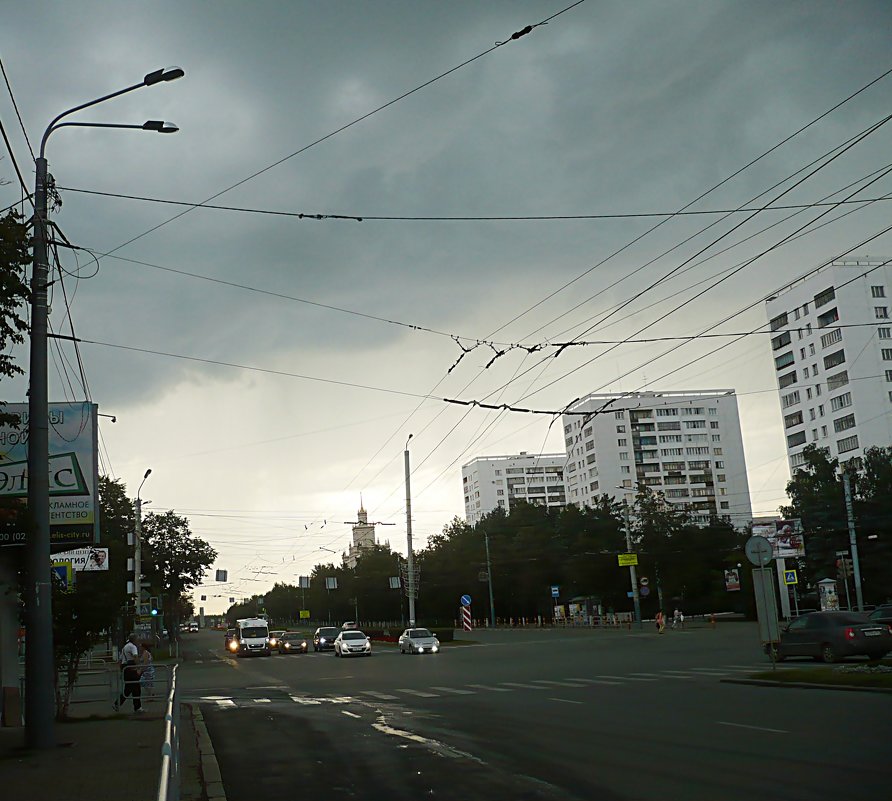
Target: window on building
[[624, 456], [716, 438], [886, 354], [790, 400], [625, 468], [713, 410], [821, 410], [619, 415], [796, 313], [670, 438], [805, 373], [794, 419], [827, 318], [587, 432], [808, 328], [796, 439], [787, 380], [713, 423], [878, 291], [500, 492], [884, 333], [779, 322], [834, 382], [691, 424], [834, 359], [881, 312], [622, 443], [780, 340], [823, 298], [808, 393], [811, 348], [841, 401], [847, 444], [818, 390], [724, 504], [888, 375], [801, 354], [674, 425], [720, 477], [620, 429], [832, 338], [811, 414], [844, 423], [498, 472], [824, 431], [786, 359], [717, 451]]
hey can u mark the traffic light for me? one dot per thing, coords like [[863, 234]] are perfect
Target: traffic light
[[844, 567]]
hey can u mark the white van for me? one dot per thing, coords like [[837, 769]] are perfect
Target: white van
[[252, 634]]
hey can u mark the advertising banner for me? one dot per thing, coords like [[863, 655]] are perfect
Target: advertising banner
[[732, 580], [73, 475], [785, 536], [86, 559]]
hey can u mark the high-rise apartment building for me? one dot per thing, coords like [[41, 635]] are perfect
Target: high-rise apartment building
[[832, 346], [686, 445], [491, 482]]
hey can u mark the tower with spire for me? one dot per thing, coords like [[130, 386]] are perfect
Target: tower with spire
[[363, 536]]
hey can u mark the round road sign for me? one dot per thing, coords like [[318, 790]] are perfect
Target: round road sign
[[643, 581], [758, 550], [644, 591], [466, 600]]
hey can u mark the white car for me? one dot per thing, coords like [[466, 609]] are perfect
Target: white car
[[418, 641], [352, 643]]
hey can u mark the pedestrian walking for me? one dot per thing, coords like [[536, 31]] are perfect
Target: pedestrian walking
[[681, 619], [147, 670], [661, 622], [130, 675], [676, 618]]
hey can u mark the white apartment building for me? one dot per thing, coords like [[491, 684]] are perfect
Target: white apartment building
[[686, 445], [491, 482], [832, 348]]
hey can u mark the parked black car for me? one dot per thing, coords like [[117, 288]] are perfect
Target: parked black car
[[324, 637], [831, 636], [882, 614]]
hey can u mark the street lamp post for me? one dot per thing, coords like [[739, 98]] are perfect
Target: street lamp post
[[492, 603], [633, 574], [410, 559], [39, 663], [137, 549]]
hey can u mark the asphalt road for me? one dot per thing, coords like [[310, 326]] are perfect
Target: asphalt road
[[537, 715]]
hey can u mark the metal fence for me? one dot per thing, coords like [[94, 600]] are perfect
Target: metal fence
[[169, 779]]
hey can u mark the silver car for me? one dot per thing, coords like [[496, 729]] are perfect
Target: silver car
[[352, 643], [418, 641]]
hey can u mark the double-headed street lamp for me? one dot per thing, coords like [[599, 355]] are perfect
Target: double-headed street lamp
[[39, 664]]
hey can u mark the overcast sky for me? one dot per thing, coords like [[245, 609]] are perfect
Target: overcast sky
[[610, 108]]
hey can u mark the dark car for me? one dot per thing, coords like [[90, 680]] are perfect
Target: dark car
[[831, 636], [228, 638], [882, 614], [292, 642], [324, 637]]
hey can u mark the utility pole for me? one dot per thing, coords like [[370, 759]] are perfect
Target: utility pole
[[492, 603], [39, 664], [633, 574], [410, 559], [137, 549], [853, 544]]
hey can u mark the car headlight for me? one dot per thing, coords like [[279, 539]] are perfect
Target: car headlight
[[322, 641], [303, 645], [233, 645], [287, 644], [435, 648]]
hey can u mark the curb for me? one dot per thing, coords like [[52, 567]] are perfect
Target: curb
[[210, 769], [804, 685]]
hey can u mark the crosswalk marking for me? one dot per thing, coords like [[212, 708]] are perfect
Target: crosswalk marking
[[419, 693], [225, 702], [557, 683], [379, 696], [454, 691], [595, 681], [625, 678], [299, 699], [262, 701], [648, 675], [709, 671], [489, 687], [522, 686]]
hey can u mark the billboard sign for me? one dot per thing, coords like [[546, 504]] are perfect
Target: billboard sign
[[73, 474], [732, 580], [786, 537], [86, 559]]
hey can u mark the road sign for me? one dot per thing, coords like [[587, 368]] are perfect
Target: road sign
[[790, 577], [645, 591], [466, 600], [759, 551], [304, 614], [64, 572], [555, 591], [644, 581], [627, 559], [630, 594]]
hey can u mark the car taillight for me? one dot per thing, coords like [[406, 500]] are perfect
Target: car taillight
[[890, 629], [850, 633]]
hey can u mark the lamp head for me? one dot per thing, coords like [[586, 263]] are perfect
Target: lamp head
[[160, 126], [164, 74]]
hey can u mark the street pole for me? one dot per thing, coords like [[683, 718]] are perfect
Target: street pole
[[39, 663], [492, 603], [137, 550], [659, 584], [853, 544], [633, 574], [410, 559]]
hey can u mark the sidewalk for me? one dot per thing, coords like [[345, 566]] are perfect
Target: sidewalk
[[101, 756]]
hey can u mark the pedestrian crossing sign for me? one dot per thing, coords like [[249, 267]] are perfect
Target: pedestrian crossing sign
[[790, 577]]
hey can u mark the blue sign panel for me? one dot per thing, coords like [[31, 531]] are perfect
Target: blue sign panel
[[466, 600], [555, 591]]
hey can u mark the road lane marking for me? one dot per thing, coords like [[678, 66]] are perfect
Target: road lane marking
[[557, 683], [565, 700], [454, 691], [625, 678], [489, 687], [379, 696], [595, 681], [225, 702], [522, 686], [349, 713], [419, 693], [298, 699], [262, 701], [648, 675], [756, 728]]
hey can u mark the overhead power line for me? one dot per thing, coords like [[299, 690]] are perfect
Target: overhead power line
[[514, 37], [301, 215], [16, 107]]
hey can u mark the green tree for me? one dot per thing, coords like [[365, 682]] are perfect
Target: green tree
[[174, 561], [14, 294]]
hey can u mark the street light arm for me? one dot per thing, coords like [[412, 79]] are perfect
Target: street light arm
[[165, 74]]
